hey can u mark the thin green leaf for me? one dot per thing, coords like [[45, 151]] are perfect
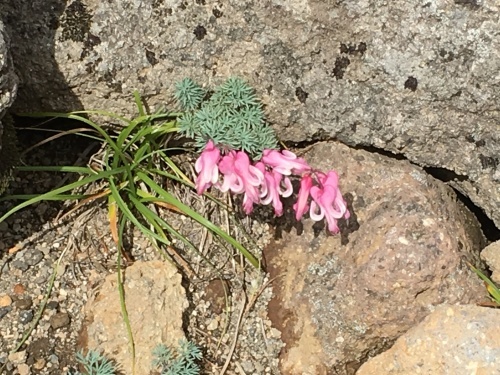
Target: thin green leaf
[[121, 292], [63, 189], [55, 168], [170, 199], [492, 288]]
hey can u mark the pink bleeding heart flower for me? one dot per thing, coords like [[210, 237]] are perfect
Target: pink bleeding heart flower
[[241, 177], [327, 201], [301, 206], [231, 180], [206, 167], [285, 162], [272, 188]]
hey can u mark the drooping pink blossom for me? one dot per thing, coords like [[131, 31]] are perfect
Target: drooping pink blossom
[[327, 201], [241, 177], [231, 180], [206, 167], [301, 206], [285, 162], [275, 185]]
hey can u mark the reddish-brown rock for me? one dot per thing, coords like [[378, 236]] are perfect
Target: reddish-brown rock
[[458, 340], [491, 255], [342, 299]]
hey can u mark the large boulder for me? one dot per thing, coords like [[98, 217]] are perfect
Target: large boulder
[[419, 80], [8, 90], [341, 299], [458, 340]]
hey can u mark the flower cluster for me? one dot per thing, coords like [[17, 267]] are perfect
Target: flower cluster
[[267, 180]]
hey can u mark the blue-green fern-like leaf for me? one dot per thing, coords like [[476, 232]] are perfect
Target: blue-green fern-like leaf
[[95, 363], [183, 362], [189, 94], [232, 118], [187, 125], [236, 93]]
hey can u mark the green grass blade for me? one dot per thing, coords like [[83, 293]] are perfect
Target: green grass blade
[[138, 103], [121, 292], [63, 189], [76, 113], [492, 289], [59, 197], [125, 210], [55, 168], [167, 197]]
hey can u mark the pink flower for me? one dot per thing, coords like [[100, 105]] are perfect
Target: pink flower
[[271, 189], [327, 201], [285, 162], [241, 177], [231, 180], [302, 206], [206, 167]]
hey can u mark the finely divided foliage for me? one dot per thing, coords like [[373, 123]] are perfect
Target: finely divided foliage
[[180, 361], [232, 117]]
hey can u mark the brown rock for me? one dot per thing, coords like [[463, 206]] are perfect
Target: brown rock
[[59, 320], [344, 298], [491, 255], [458, 340], [24, 303], [155, 301], [217, 292], [19, 289]]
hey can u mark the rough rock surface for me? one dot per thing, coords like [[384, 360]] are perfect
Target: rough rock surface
[[340, 299], [458, 340], [8, 79], [491, 255], [155, 303], [415, 79], [8, 90]]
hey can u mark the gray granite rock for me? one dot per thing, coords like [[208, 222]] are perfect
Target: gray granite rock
[[416, 79], [8, 78], [8, 90]]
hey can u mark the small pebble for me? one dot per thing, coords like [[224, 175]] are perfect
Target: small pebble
[[53, 305], [59, 320], [4, 311], [19, 289], [5, 300], [54, 359], [17, 357], [25, 316], [4, 226], [213, 325], [39, 364], [24, 304], [35, 257], [23, 369]]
